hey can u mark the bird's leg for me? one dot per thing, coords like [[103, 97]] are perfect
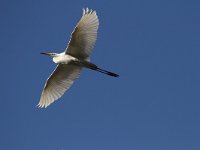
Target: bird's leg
[[107, 72], [92, 66]]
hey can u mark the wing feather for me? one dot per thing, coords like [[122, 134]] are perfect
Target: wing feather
[[58, 82], [84, 36]]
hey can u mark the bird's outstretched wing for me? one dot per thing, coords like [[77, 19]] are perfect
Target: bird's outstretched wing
[[58, 82], [83, 38]]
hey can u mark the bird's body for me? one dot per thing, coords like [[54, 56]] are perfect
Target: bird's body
[[63, 58], [73, 60]]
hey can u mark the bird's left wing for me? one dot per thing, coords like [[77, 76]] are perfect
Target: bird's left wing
[[58, 82], [84, 36]]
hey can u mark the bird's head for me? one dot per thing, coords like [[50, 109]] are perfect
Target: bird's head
[[50, 54]]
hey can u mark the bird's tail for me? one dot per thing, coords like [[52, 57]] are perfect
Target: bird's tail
[[94, 67]]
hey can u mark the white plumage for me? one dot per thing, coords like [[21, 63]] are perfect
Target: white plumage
[[84, 35], [58, 83], [73, 60]]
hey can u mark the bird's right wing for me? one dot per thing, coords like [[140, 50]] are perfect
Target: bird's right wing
[[59, 82], [84, 36]]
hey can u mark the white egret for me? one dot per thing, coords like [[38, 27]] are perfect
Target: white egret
[[73, 59]]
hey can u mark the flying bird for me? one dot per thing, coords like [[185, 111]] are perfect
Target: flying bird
[[73, 59]]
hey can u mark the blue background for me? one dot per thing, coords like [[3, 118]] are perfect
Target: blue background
[[153, 45]]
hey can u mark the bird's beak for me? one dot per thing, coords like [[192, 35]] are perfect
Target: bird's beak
[[45, 54]]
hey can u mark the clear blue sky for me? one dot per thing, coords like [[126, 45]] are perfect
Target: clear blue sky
[[154, 105]]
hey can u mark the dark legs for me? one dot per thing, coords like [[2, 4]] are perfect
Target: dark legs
[[94, 67], [106, 72]]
